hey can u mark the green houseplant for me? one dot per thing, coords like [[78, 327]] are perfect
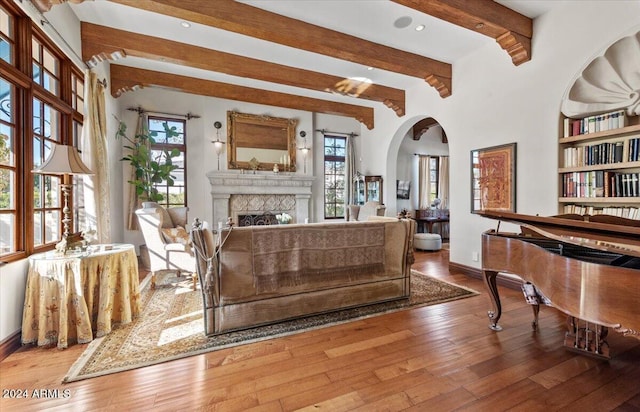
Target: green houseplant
[[151, 167]]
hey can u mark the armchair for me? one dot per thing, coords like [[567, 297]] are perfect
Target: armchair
[[362, 213], [166, 239]]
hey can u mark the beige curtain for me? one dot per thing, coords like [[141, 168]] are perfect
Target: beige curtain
[[424, 182], [443, 182], [94, 143], [134, 202], [350, 174]]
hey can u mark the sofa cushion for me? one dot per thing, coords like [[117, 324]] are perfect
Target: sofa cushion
[[176, 234]]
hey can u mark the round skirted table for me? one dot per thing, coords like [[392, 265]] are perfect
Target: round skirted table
[[74, 297]]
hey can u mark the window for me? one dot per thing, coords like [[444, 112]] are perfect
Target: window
[[334, 167], [8, 169], [175, 195], [7, 36], [433, 178], [41, 104]]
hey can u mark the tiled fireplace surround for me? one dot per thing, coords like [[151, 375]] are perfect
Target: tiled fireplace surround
[[237, 193]]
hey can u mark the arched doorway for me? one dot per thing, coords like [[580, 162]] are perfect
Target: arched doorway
[[421, 168]]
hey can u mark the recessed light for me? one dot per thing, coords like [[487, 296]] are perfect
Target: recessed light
[[420, 27], [369, 68], [479, 25], [185, 24]]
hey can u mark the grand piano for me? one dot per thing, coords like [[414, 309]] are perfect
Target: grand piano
[[586, 266]]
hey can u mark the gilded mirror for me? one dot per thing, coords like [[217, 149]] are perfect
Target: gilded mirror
[[258, 142]]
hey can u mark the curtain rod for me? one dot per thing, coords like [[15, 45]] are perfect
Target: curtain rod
[[323, 131], [140, 110], [424, 154]]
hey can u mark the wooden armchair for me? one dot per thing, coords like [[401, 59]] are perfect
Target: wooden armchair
[[167, 240]]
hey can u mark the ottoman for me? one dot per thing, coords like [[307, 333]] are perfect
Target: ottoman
[[427, 241]]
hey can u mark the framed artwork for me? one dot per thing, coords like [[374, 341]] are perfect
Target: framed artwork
[[403, 188], [493, 178]]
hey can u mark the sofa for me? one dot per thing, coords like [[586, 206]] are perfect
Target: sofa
[[260, 275]]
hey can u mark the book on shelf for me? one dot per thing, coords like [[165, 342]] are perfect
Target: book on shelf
[[600, 183], [620, 211], [595, 123], [633, 148], [602, 153]]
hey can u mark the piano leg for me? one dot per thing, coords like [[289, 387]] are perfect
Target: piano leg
[[536, 312], [490, 278]]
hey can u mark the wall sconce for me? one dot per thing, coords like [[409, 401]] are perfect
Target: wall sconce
[[218, 144], [304, 149]]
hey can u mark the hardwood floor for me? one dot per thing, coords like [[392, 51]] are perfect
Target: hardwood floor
[[436, 358]]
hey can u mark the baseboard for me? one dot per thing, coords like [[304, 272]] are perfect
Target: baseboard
[[9, 345], [502, 279]]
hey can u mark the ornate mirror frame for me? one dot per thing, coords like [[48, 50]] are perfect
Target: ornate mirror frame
[[259, 142]]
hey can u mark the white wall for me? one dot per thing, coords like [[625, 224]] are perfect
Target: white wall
[[201, 157], [493, 102]]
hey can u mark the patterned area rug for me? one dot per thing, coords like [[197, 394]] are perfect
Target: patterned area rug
[[170, 326]]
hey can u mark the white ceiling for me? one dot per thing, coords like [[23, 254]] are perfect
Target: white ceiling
[[372, 20]]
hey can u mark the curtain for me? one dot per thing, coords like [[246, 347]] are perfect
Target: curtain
[[424, 182], [350, 174], [443, 182], [134, 202], [94, 143]]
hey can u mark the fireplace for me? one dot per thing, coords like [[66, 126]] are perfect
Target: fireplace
[[261, 219], [236, 194]]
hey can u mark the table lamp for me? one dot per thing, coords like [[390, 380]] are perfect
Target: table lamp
[[64, 160]]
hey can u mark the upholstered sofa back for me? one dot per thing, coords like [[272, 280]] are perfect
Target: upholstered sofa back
[[259, 261], [265, 274]]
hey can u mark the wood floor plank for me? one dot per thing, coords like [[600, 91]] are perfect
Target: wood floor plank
[[435, 358], [367, 344]]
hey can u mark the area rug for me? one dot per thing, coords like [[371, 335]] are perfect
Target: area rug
[[171, 326]]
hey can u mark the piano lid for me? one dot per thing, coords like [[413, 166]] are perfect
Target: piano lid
[[622, 238]]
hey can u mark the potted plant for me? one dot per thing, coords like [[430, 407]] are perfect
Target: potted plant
[[151, 167]]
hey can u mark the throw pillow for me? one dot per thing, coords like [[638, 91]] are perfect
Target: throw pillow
[[176, 234]]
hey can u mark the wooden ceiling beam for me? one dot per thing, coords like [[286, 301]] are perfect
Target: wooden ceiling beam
[[45, 5], [100, 42], [252, 21], [125, 78], [422, 126], [510, 29]]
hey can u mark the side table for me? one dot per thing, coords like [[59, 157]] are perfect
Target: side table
[[69, 297]]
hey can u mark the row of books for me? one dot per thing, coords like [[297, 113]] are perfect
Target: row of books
[[600, 183], [603, 153], [620, 211], [594, 124]]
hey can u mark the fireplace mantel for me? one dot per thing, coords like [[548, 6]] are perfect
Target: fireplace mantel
[[225, 184]]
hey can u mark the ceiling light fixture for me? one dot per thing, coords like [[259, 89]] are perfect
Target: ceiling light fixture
[[420, 27], [479, 25], [402, 22], [185, 24]]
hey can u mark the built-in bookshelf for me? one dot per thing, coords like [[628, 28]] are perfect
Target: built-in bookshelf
[[599, 158]]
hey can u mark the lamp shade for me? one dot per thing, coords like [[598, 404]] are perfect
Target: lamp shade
[[218, 145], [64, 160]]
